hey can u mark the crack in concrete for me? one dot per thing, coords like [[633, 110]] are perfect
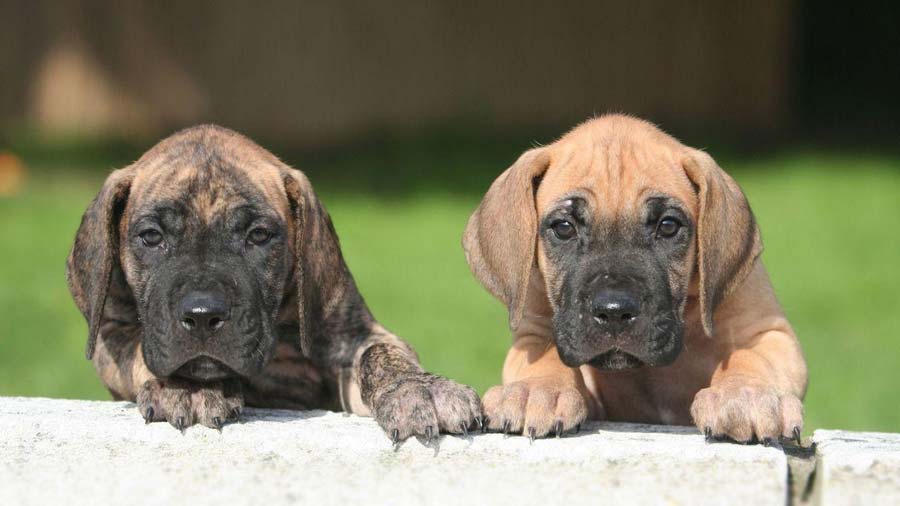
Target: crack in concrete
[[802, 462]]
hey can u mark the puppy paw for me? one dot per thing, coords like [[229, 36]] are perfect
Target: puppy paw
[[534, 408], [423, 405], [747, 411], [183, 404]]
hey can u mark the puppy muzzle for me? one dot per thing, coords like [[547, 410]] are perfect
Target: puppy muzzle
[[204, 369]]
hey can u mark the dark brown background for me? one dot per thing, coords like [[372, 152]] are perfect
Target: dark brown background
[[314, 73]]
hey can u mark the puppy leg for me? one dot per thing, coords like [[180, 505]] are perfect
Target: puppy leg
[[404, 399], [540, 395], [752, 396], [755, 392], [120, 363]]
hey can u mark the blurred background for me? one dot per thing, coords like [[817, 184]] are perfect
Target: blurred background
[[402, 113]]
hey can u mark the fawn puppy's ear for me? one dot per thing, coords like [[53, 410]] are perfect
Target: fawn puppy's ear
[[728, 240], [501, 235]]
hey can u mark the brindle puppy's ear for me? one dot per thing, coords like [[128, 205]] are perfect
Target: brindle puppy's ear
[[501, 236], [331, 311], [728, 240], [93, 262]]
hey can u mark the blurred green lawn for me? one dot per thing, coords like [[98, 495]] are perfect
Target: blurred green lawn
[[828, 223]]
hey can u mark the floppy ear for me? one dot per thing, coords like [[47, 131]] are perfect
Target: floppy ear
[[330, 306], [95, 254], [501, 235], [728, 240]]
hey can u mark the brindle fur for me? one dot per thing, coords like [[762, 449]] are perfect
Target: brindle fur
[[300, 335]]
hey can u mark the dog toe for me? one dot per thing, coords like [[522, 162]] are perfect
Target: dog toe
[[746, 412], [456, 405], [535, 409]]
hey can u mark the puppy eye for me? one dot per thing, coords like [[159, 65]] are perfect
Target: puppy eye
[[563, 230], [668, 227], [259, 236], [151, 238]]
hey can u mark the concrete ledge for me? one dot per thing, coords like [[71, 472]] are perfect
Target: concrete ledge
[[857, 468], [79, 452]]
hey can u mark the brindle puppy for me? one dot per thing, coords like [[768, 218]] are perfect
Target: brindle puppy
[[631, 267], [211, 278]]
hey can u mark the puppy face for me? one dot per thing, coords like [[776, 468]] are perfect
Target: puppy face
[[205, 249], [623, 223], [616, 249], [209, 246]]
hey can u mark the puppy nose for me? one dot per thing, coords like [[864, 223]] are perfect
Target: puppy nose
[[204, 312], [615, 309]]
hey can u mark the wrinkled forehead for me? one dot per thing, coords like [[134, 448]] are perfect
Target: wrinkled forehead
[[209, 186], [615, 174]]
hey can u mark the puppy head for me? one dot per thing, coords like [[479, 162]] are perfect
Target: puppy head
[[210, 246], [623, 223]]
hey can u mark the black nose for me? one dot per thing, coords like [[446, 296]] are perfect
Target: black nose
[[615, 309], [203, 313]]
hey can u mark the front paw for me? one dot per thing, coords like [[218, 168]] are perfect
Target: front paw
[[535, 408], [424, 404], [747, 410], [183, 403]]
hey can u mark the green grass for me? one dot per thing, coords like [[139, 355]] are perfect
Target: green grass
[[827, 222]]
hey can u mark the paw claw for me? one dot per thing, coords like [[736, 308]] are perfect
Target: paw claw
[[797, 436], [532, 433], [217, 423], [707, 433], [396, 443], [465, 430], [479, 421], [429, 435], [148, 416], [559, 429], [180, 425], [506, 426], [767, 441], [235, 413]]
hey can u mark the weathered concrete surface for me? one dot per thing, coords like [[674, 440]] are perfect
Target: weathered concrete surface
[[77, 452], [856, 468]]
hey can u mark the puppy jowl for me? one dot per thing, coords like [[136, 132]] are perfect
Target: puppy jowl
[[630, 264], [211, 278]]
